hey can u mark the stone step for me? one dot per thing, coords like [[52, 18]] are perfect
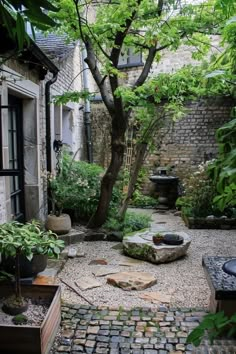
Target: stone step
[[72, 237]]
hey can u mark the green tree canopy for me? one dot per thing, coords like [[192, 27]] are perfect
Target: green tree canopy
[[107, 28]]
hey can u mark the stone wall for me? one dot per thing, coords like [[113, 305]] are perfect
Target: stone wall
[[187, 143], [183, 145]]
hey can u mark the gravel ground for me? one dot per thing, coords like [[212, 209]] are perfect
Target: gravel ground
[[35, 314], [183, 279]]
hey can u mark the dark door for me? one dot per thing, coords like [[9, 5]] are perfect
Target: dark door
[[16, 158]]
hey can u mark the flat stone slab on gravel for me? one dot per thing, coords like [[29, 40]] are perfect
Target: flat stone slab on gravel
[[87, 283], [140, 245], [102, 271], [132, 280], [129, 262]]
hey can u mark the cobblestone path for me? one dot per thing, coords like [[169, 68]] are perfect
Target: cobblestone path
[[90, 329]]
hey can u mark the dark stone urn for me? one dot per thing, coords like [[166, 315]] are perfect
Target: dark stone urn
[[166, 188], [27, 268]]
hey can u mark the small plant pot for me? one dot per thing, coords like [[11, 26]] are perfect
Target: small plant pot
[[157, 239], [11, 308], [59, 224]]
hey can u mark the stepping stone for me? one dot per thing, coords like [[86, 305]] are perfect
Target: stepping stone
[[132, 280], [98, 261], [87, 283], [102, 271], [156, 297], [129, 262]]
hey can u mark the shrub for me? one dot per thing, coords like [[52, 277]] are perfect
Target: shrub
[[223, 169], [199, 193], [138, 199], [77, 187], [132, 222]]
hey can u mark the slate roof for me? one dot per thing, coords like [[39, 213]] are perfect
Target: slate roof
[[54, 46]]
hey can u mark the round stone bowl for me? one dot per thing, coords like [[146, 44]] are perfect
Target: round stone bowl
[[140, 245]]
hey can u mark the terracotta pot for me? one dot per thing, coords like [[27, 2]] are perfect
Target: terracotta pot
[[59, 224]]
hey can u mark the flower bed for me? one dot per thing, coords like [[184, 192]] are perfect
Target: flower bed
[[209, 223]]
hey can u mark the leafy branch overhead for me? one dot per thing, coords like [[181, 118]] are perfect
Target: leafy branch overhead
[[15, 14], [72, 96]]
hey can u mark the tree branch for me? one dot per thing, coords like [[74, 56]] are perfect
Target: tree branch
[[142, 77], [151, 54], [92, 64], [120, 36]]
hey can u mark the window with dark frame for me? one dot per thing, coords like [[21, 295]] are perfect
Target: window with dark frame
[[129, 58], [15, 171]]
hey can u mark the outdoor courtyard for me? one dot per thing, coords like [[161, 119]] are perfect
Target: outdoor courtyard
[[111, 320]]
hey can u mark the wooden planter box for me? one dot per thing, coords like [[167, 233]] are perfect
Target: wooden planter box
[[204, 223], [27, 339]]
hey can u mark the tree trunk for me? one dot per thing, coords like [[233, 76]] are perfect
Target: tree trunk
[[17, 276], [108, 181], [141, 150]]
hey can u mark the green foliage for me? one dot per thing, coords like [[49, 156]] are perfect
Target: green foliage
[[14, 16], [132, 222], [28, 239], [174, 89], [223, 169], [199, 194], [5, 276], [138, 199], [215, 325], [20, 319], [77, 187], [74, 96], [108, 28], [18, 239], [189, 24]]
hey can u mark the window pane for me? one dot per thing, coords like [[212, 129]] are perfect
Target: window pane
[[17, 204]]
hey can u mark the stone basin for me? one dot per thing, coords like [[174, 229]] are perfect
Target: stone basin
[[141, 246], [163, 179]]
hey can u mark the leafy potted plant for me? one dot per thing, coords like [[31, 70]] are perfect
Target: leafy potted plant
[[158, 239], [18, 239]]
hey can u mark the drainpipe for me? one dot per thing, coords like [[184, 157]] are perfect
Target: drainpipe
[[48, 130], [87, 110], [48, 120]]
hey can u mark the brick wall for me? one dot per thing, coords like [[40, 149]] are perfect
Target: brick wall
[[190, 141], [183, 145]]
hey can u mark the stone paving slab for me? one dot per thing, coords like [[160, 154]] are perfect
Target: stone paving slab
[[91, 329]]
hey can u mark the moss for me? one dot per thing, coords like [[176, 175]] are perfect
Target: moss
[[20, 319], [141, 251]]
